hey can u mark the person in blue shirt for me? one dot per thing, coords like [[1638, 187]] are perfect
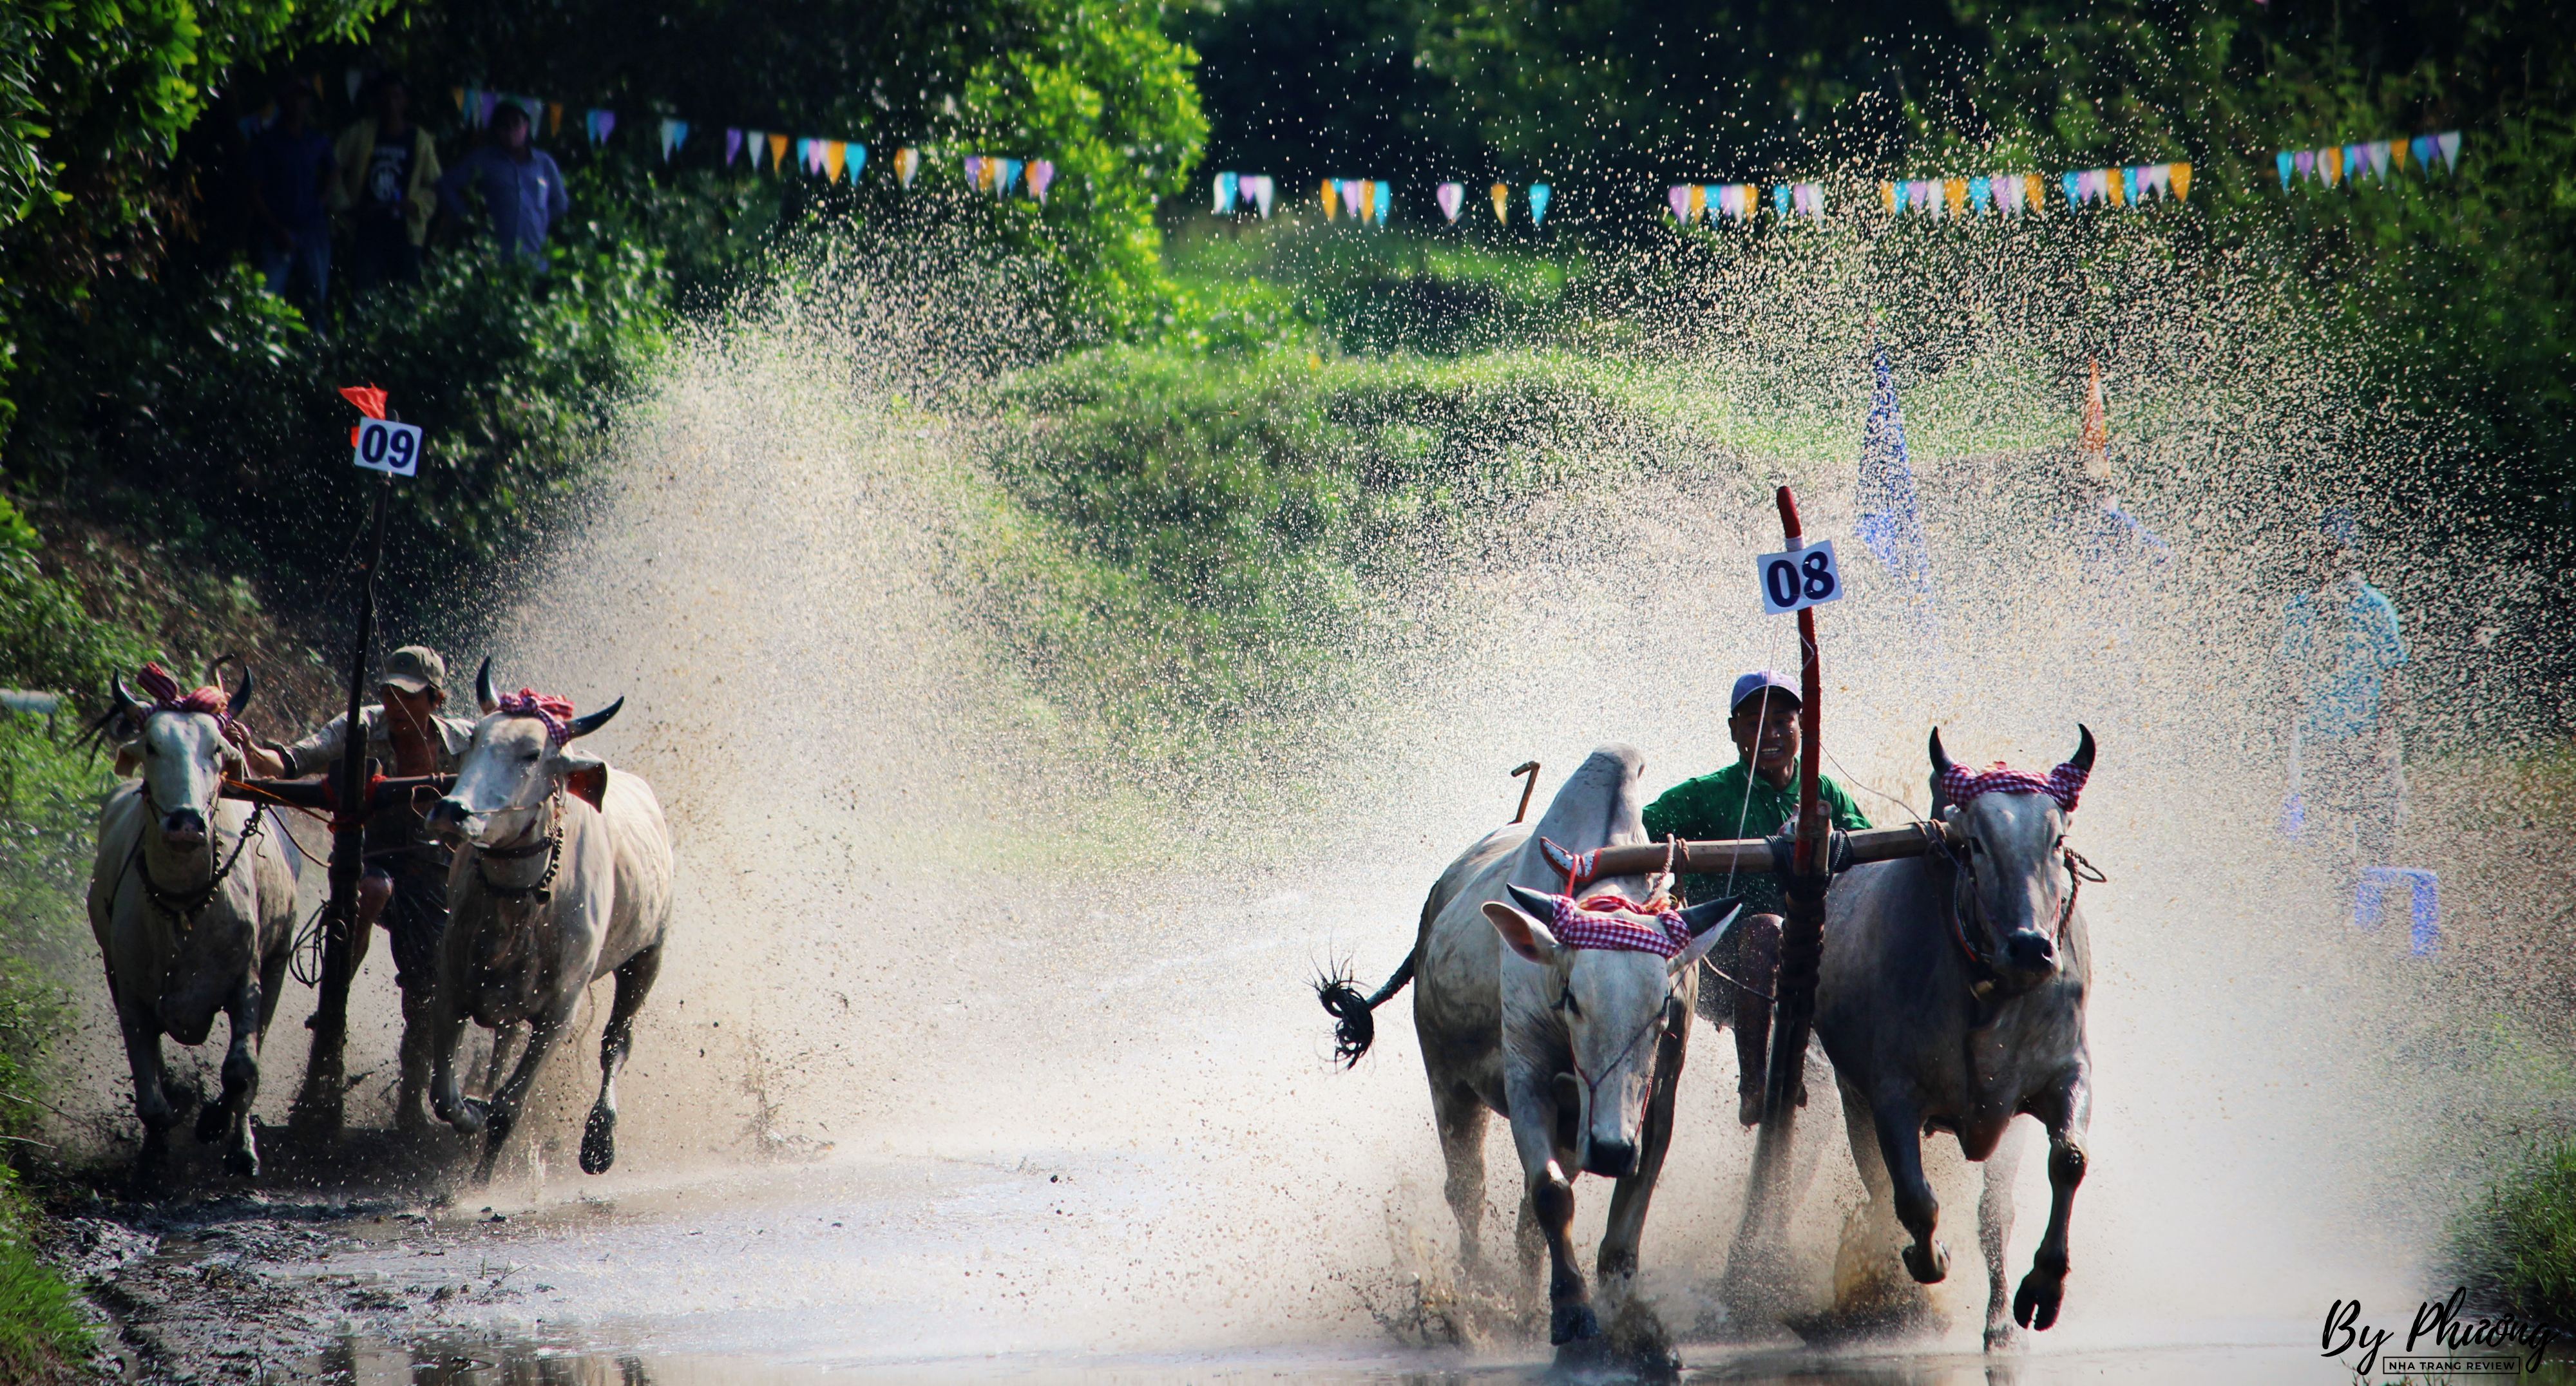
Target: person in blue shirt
[[2341, 648], [292, 170], [523, 191]]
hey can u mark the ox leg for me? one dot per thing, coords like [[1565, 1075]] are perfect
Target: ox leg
[[505, 1048], [2064, 1113], [1994, 1233], [1462, 1118], [153, 1104], [503, 1111], [1900, 1148], [1569, 1305], [230, 1116], [599, 1134], [1636, 1332]]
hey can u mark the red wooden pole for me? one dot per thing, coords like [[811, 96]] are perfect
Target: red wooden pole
[[1802, 933]]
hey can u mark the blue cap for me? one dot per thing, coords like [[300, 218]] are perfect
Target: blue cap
[[1753, 684]]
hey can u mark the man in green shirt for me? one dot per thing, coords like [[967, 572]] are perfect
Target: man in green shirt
[[1757, 796]]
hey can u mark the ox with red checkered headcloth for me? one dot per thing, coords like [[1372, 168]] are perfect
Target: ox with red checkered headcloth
[[1952, 784]]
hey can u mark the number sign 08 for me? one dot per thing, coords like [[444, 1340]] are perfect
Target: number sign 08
[[384, 446], [1799, 578]]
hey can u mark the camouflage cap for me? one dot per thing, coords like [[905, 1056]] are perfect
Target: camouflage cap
[[414, 668]]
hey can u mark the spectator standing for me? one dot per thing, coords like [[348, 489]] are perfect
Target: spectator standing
[[522, 189], [2340, 651], [388, 184], [291, 174]]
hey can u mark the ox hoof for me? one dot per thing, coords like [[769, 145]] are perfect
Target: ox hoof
[[2001, 1337], [2035, 1305], [599, 1142], [1572, 1323], [1929, 1262], [243, 1159], [469, 1115]]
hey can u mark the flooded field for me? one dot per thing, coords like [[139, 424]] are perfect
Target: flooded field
[[978, 1056]]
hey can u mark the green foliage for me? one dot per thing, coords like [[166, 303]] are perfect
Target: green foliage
[[43, 1336], [1092, 84], [2522, 1242], [93, 93], [212, 418], [1205, 546], [1281, 283]]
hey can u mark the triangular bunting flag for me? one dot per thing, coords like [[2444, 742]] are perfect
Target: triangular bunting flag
[[1539, 193], [1263, 191], [2181, 180], [1227, 184], [1451, 197], [2449, 143], [554, 119], [1385, 201], [1332, 199], [778, 153], [1042, 176], [835, 154], [733, 144], [1502, 195], [858, 160], [907, 162]]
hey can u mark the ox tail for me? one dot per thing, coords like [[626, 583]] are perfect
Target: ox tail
[[1354, 1027]]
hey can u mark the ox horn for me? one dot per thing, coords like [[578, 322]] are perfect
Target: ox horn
[[1940, 768], [239, 698], [483, 697], [125, 701], [590, 722], [2083, 757]]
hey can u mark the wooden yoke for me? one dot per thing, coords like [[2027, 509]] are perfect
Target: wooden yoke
[[1744, 856], [1802, 934]]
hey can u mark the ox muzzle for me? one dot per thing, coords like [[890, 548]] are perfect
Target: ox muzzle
[[184, 829]]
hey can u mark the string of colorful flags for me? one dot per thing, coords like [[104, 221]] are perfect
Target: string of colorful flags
[[1369, 201], [2349, 163], [828, 159]]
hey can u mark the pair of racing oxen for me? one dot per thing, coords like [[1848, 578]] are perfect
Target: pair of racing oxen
[[564, 877], [1949, 996]]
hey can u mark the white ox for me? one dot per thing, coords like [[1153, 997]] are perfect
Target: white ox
[[192, 920], [565, 878], [1580, 1048]]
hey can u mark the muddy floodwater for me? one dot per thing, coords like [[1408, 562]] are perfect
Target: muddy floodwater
[[933, 1270]]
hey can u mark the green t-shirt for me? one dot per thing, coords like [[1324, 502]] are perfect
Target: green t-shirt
[[1719, 806]]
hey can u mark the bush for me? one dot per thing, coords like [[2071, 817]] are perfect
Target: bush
[[43, 1336], [208, 416], [1200, 548], [2524, 1245]]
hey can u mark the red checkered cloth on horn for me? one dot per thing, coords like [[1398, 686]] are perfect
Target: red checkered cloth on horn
[[555, 712], [2064, 784], [166, 697], [1617, 922]]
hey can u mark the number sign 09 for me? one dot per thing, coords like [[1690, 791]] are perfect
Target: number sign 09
[[1799, 578], [384, 446]]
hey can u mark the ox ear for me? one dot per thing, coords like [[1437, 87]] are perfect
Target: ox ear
[[584, 777], [1522, 934]]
